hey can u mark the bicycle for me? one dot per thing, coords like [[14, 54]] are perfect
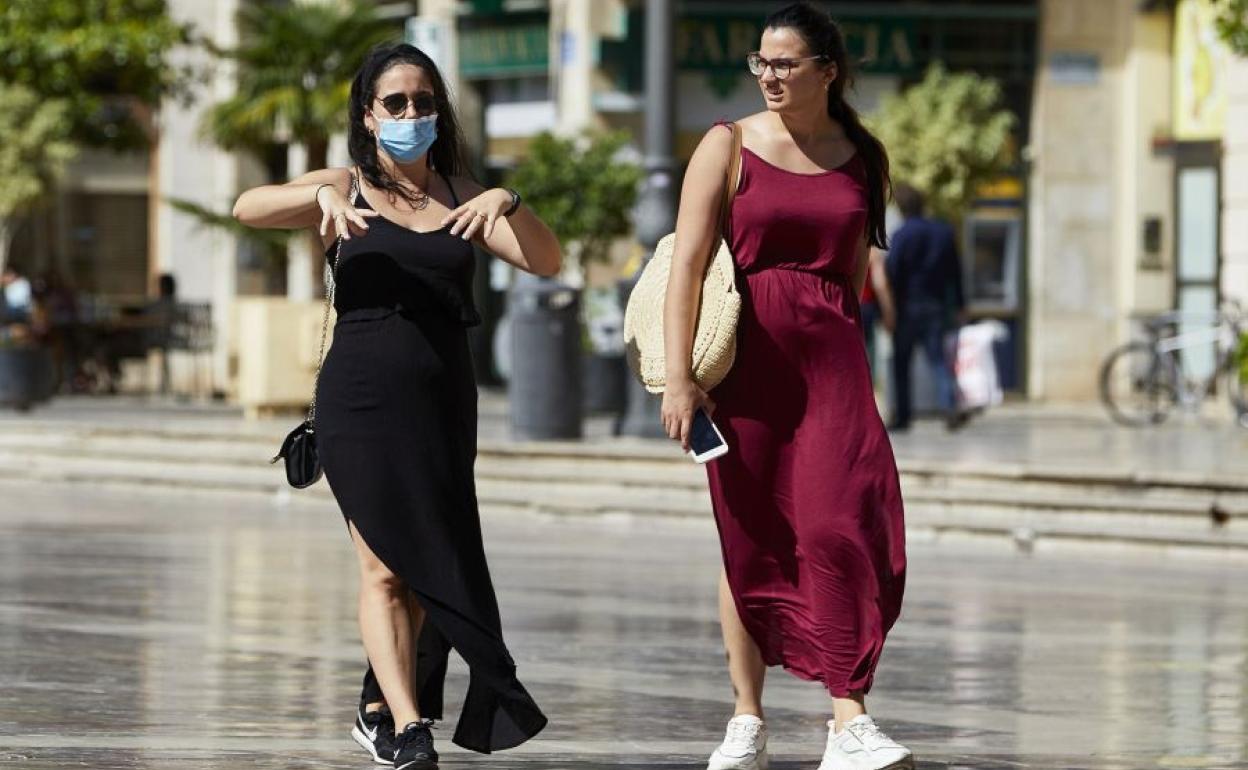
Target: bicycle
[[1143, 381]]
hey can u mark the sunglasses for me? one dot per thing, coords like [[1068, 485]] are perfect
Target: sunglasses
[[396, 104]]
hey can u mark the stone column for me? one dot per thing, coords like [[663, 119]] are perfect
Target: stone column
[[301, 258], [203, 260], [1074, 295], [656, 209], [573, 54]]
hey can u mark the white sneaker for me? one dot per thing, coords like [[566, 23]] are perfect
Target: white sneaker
[[862, 745], [744, 746]]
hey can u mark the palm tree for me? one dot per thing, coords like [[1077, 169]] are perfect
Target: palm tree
[[35, 144], [295, 62]]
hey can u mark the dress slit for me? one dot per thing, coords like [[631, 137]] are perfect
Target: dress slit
[[396, 423]]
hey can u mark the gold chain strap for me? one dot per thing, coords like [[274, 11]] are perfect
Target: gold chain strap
[[331, 282]]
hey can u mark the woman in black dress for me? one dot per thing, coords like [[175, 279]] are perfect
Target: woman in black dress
[[396, 405]]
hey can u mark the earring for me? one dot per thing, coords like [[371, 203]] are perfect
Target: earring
[[827, 85]]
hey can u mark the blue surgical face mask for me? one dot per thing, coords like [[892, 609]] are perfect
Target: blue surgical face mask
[[407, 140]]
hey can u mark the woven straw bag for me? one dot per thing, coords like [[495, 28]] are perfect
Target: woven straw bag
[[715, 338]]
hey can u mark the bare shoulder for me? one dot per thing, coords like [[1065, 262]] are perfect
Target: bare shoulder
[[714, 148], [466, 187], [757, 130]]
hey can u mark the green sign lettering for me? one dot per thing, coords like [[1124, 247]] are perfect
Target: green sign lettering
[[710, 43], [495, 51]]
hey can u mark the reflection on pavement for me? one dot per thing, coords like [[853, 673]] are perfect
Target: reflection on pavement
[[143, 630]]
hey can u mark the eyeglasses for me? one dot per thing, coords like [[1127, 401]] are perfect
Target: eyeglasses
[[781, 67], [396, 104]]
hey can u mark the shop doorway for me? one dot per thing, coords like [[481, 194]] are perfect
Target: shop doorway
[[1198, 211]]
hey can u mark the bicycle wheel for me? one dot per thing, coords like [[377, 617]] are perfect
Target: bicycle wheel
[[1138, 386]]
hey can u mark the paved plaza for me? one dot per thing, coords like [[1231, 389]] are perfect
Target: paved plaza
[[148, 630]]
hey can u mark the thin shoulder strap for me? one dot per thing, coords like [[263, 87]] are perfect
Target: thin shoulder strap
[[354, 191], [734, 177], [451, 187]]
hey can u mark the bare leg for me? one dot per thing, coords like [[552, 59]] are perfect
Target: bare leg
[[845, 709], [745, 662], [416, 617], [416, 614], [386, 626]]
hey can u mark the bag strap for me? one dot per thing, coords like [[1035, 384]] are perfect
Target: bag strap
[[331, 282], [734, 179]]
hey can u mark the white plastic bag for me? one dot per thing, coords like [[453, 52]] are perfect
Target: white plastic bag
[[974, 367]]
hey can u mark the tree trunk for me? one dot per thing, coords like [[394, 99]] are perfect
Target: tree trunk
[[6, 231]]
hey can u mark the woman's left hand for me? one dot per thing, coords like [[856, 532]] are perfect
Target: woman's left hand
[[479, 214]]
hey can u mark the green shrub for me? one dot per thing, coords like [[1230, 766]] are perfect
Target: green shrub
[[946, 136]]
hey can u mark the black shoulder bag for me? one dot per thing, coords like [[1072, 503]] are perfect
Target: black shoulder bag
[[303, 462]]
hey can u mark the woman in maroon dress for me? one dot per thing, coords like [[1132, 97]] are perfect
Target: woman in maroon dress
[[807, 499]]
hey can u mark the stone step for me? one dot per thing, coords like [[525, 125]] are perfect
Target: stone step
[[624, 463], [636, 466], [654, 479], [569, 487]]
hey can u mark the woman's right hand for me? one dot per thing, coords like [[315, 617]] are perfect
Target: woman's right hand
[[338, 216], [681, 399]]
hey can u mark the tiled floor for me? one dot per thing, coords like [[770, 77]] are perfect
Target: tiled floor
[[144, 630]]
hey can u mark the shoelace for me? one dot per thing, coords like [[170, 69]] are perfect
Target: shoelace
[[417, 735], [741, 735], [870, 734]]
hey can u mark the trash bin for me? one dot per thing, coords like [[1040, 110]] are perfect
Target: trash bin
[[544, 387], [26, 376]]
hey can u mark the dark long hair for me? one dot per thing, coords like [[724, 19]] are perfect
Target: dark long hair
[[823, 37], [445, 156]]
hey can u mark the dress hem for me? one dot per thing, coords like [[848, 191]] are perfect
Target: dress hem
[[476, 704]]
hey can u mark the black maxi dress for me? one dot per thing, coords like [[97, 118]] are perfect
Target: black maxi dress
[[396, 425]]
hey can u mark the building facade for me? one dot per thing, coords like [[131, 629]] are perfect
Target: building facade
[[576, 65], [1130, 184], [1137, 179], [1128, 194]]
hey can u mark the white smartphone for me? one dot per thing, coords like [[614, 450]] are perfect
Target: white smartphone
[[705, 441]]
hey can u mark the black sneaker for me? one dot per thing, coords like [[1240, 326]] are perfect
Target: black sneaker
[[374, 731], [413, 748]]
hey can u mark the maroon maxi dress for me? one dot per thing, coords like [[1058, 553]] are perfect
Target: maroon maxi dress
[[807, 499]]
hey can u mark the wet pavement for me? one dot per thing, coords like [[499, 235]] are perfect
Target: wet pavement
[[149, 630]]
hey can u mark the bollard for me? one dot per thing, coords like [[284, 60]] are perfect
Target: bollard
[[544, 389]]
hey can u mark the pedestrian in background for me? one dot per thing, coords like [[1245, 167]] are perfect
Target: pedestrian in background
[[64, 332], [396, 403], [20, 318], [17, 296], [162, 315], [807, 499], [926, 276]]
